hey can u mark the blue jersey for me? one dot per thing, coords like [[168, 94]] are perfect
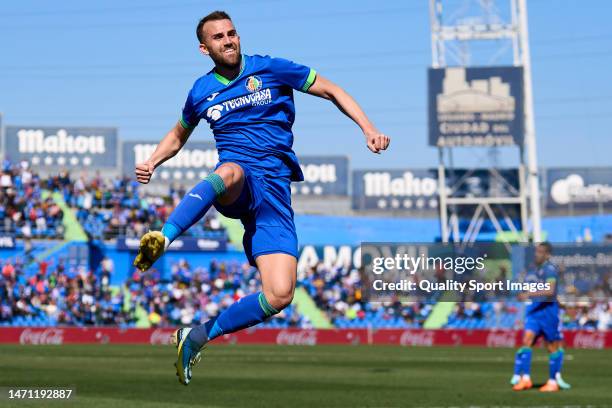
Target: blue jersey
[[547, 272], [251, 116]]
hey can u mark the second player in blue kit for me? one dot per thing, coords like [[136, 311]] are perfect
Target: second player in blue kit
[[248, 103], [541, 320]]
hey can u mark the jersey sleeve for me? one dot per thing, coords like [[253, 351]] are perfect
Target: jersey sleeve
[[550, 273], [298, 77], [189, 117]]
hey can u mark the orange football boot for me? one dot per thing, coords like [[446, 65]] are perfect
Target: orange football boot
[[523, 385], [550, 386]]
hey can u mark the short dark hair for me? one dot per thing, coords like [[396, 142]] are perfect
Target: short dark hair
[[546, 245], [215, 15]]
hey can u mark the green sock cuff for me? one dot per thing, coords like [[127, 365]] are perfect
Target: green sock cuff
[[561, 350], [217, 183], [556, 354], [523, 350], [265, 306]]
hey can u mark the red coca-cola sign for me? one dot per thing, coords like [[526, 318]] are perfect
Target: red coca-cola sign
[[417, 338], [591, 340], [297, 338], [161, 336], [505, 338], [42, 336]]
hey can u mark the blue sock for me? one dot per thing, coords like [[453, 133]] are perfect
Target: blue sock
[[193, 206], [555, 360], [518, 362], [247, 312], [526, 360]]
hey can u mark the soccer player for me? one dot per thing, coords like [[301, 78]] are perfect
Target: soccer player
[[541, 319], [248, 103]]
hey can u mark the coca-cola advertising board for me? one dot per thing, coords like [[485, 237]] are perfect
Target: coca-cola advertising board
[[297, 337]]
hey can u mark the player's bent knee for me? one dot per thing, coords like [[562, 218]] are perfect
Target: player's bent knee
[[279, 299], [230, 173], [552, 347], [233, 180], [528, 339]]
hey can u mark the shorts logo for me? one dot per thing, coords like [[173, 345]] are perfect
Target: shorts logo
[[214, 112], [253, 83]]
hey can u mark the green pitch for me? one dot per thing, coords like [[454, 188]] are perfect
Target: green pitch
[[294, 376]]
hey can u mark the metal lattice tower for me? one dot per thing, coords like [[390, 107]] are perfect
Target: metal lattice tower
[[478, 33]]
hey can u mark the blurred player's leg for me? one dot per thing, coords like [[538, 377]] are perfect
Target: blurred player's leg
[[278, 276], [562, 384], [225, 184], [519, 362], [551, 385], [554, 342], [522, 364], [555, 360]]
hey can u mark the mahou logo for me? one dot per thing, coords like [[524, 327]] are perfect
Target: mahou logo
[[297, 338], [159, 336], [42, 336], [417, 338], [501, 339], [589, 340]]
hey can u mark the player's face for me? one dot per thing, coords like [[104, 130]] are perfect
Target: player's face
[[221, 42], [541, 255]]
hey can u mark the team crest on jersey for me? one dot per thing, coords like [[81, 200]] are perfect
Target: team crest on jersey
[[253, 83]]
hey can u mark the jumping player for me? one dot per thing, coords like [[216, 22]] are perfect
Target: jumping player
[[248, 103], [541, 319]]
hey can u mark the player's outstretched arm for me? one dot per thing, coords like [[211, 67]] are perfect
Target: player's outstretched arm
[[324, 88], [166, 149]]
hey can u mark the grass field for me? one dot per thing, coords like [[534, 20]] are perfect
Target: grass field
[[296, 376]]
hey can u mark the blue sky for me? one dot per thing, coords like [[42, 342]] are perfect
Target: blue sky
[[131, 64]]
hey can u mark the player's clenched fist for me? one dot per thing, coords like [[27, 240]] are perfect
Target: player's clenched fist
[[377, 141], [144, 171]]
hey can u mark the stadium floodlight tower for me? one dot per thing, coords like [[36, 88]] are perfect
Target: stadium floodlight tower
[[480, 95]]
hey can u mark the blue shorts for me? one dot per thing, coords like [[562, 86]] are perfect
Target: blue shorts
[[264, 207], [545, 323]]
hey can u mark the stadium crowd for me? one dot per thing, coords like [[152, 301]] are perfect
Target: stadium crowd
[[338, 291], [105, 207], [110, 208], [58, 292], [71, 295], [590, 315], [194, 295], [25, 211]]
